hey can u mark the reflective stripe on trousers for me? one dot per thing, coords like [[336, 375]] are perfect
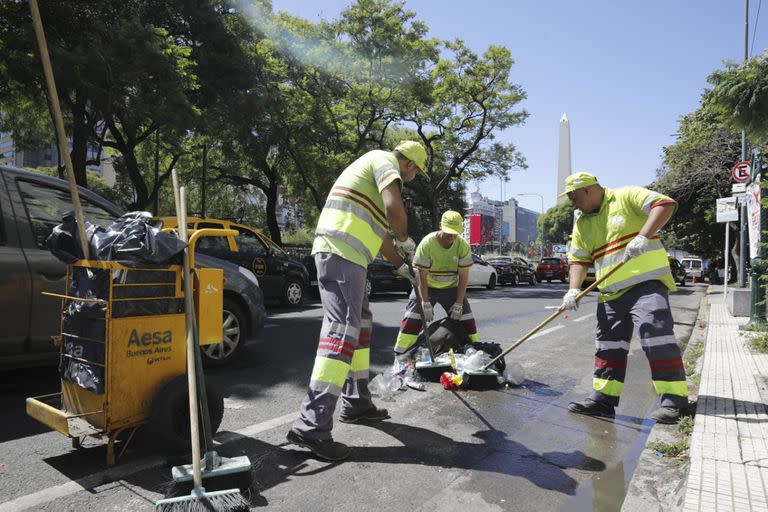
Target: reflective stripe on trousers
[[343, 351], [645, 306], [411, 324]]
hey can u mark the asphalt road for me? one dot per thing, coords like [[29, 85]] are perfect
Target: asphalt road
[[505, 449]]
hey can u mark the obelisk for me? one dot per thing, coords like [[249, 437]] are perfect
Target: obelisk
[[563, 156]]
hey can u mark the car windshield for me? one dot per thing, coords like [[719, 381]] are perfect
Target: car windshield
[[550, 261], [500, 259]]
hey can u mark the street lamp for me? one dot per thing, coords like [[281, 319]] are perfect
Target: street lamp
[[541, 198]]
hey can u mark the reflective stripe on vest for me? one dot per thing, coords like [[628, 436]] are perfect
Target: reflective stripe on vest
[[652, 264]]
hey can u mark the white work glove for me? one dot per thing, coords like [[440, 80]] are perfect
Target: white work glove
[[406, 248], [569, 300], [456, 311], [427, 312], [405, 271], [636, 247]]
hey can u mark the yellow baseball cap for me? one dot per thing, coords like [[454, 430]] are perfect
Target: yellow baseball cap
[[452, 223], [414, 152], [577, 181]]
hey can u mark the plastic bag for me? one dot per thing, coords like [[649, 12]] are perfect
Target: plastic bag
[[385, 385], [131, 238], [476, 361], [514, 374]]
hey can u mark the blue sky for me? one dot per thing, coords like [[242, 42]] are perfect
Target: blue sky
[[623, 72]]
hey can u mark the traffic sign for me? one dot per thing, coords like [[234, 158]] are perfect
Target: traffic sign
[[532, 243], [738, 188], [741, 171]]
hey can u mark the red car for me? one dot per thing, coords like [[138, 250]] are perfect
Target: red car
[[552, 268]]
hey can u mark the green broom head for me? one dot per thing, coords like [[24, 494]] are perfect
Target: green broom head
[[200, 501]]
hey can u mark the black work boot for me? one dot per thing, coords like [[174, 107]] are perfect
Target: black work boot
[[667, 415], [371, 414], [327, 450], [592, 408]]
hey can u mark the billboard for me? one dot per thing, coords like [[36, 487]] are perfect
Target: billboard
[[480, 229]]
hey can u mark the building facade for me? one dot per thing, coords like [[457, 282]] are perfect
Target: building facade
[[511, 222]]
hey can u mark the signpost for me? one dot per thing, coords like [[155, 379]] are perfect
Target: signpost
[[727, 212]]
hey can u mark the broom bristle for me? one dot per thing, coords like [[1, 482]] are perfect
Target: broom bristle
[[220, 501]]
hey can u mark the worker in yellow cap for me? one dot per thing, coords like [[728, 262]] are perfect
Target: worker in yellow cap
[[361, 210], [618, 227], [443, 259]]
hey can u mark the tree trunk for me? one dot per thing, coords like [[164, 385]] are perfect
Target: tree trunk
[[80, 133], [274, 229]]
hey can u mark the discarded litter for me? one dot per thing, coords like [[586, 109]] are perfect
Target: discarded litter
[[514, 374], [450, 380]]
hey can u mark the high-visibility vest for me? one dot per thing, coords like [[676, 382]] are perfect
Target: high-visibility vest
[[601, 238], [442, 264], [353, 223]]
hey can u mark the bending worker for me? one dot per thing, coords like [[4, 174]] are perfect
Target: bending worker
[[615, 226], [361, 208], [443, 259]]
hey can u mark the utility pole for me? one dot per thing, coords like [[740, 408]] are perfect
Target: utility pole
[[205, 170], [742, 204], [760, 263]]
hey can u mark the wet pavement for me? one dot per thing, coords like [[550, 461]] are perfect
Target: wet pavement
[[506, 449]]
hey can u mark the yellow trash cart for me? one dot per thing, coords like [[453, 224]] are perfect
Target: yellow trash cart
[[123, 351]]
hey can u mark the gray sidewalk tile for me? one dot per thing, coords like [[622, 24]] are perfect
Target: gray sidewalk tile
[[729, 444]]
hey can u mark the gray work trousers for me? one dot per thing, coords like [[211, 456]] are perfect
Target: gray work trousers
[[343, 351]]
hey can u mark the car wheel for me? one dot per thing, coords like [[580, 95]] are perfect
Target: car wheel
[[549, 281], [514, 281], [235, 334], [169, 417], [491, 282], [293, 293], [369, 288]]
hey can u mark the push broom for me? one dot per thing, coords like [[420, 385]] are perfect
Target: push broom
[[199, 500], [486, 378]]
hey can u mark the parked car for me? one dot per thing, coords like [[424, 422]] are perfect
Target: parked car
[[694, 267], [281, 277], [31, 205], [481, 273], [381, 278], [678, 272], [589, 278], [552, 268], [513, 270]]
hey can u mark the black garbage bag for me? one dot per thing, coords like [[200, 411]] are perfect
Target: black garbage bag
[[446, 334], [84, 329], [64, 240], [133, 238]]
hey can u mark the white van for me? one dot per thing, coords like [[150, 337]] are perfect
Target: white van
[[694, 267]]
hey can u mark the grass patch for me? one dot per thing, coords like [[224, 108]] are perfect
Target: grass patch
[[695, 380], [675, 449], [696, 351], [759, 342], [690, 368], [685, 425]]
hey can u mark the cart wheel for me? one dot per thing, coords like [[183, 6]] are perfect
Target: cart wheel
[[169, 422]]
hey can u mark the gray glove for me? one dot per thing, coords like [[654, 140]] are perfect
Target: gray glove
[[636, 247], [406, 248], [569, 300], [405, 271], [428, 313], [456, 311]]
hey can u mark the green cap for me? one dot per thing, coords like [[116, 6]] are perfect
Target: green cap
[[452, 223], [414, 152], [577, 181]]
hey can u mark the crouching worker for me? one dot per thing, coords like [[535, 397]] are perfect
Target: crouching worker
[[443, 259]]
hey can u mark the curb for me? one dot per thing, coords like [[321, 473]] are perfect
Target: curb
[[659, 483]]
